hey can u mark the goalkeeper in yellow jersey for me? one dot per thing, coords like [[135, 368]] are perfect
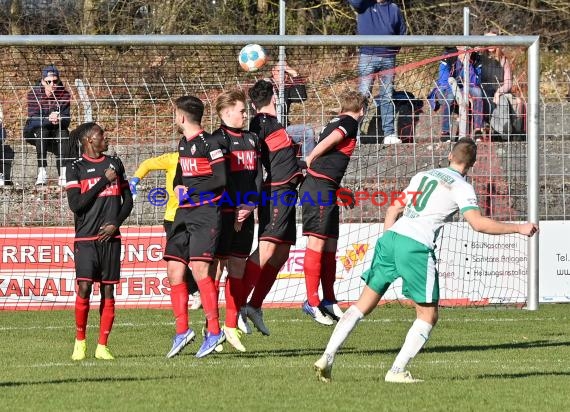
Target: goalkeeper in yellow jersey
[[167, 162]]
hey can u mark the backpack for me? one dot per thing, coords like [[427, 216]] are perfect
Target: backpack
[[504, 120], [407, 109]]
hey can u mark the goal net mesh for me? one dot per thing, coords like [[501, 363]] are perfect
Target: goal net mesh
[[129, 90]]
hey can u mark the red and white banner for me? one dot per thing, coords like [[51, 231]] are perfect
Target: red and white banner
[[37, 268]]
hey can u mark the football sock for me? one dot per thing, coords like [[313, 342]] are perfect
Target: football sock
[[251, 277], [415, 339], [328, 276], [179, 299], [264, 285], [209, 296], [81, 313], [234, 289], [107, 309], [343, 328], [312, 269]]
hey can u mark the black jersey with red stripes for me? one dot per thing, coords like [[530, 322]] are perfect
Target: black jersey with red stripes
[[332, 164], [243, 167], [278, 155], [197, 157], [83, 174]]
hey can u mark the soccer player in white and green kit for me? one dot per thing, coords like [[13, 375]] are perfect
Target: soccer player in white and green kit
[[406, 250]]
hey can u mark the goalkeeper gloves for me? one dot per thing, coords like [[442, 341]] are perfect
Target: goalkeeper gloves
[[133, 186]]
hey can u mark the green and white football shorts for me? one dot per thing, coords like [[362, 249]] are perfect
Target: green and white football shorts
[[400, 256]]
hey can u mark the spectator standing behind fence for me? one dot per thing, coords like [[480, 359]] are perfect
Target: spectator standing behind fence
[[6, 154], [294, 90], [379, 18], [441, 97], [48, 122], [504, 110], [475, 92], [496, 74]]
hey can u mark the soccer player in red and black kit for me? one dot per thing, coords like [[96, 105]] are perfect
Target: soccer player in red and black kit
[[199, 183], [99, 196], [326, 166], [244, 174], [276, 211]]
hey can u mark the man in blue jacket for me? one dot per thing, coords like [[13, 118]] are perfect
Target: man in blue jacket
[[379, 18], [48, 122]]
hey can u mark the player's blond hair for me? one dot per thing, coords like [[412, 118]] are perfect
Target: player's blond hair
[[352, 101], [229, 99]]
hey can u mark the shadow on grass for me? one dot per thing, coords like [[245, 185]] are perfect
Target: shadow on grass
[[521, 375], [434, 349], [81, 380]]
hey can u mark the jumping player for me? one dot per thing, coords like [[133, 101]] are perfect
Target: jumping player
[[277, 227], [326, 166], [244, 174], [196, 228], [406, 250], [99, 196]]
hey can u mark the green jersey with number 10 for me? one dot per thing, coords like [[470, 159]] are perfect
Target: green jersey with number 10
[[432, 197]]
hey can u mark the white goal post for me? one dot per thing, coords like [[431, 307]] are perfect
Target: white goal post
[[531, 43]]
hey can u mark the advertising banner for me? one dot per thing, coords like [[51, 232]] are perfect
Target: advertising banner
[[37, 268]]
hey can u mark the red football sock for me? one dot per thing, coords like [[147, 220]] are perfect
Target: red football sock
[[81, 313], [107, 309], [209, 296], [264, 285], [217, 285], [312, 269], [179, 299], [234, 290], [251, 277], [328, 276]]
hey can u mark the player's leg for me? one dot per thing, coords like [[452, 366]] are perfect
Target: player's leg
[[204, 236], [85, 267], [328, 279], [214, 336], [240, 249], [320, 223], [312, 267], [107, 317], [274, 255], [417, 265], [252, 272], [277, 233], [234, 297], [366, 303], [110, 264], [81, 315], [378, 278], [176, 254], [416, 338]]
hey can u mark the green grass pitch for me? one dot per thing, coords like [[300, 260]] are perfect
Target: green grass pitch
[[476, 359]]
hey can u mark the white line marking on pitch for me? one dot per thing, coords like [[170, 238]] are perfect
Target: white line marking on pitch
[[294, 320]]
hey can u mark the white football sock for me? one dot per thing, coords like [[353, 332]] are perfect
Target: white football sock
[[343, 328], [415, 340]]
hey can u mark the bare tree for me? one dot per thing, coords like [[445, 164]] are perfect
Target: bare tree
[[15, 17]]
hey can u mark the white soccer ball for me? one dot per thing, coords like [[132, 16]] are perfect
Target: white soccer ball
[[252, 57]]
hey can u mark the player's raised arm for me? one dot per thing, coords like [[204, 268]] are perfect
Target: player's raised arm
[[490, 226]]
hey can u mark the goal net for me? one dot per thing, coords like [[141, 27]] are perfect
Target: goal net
[[130, 89]]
